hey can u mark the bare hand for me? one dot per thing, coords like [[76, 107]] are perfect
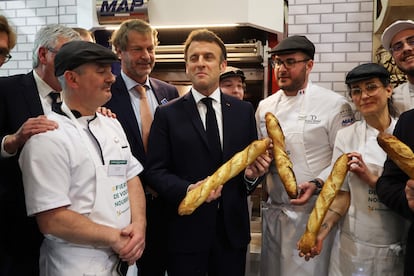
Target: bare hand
[[259, 167], [306, 191], [315, 251], [106, 112], [214, 194], [358, 167], [409, 193], [29, 128], [133, 250]]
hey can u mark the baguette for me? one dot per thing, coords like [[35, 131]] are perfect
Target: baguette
[[398, 152], [283, 164], [329, 191], [228, 170]]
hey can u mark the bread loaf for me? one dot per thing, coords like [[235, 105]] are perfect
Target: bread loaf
[[329, 191], [228, 170], [283, 164], [398, 152]]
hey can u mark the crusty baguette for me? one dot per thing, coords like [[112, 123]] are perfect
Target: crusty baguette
[[228, 170], [398, 152], [283, 164], [329, 190]]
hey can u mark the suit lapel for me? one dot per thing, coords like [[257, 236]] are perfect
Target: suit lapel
[[127, 112], [31, 95], [158, 91], [226, 111], [190, 107]]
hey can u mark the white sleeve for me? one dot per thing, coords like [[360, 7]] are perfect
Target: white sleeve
[[46, 174]]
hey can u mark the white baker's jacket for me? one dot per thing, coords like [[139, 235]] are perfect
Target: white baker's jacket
[[84, 166], [367, 219], [324, 112], [403, 97], [58, 171], [310, 121], [369, 231]]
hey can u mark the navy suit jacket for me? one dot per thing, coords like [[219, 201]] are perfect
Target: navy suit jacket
[[19, 101], [178, 155], [120, 103], [391, 185]]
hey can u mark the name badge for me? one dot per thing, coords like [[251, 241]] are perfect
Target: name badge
[[117, 167]]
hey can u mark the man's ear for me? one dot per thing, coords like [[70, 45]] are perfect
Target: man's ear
[[223, 66], [71, 78], [41, 53]]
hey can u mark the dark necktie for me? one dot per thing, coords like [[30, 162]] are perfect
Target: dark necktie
[[54, 96], [212, 131]]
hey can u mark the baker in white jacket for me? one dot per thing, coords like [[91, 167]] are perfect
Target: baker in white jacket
[[371, 237], [310, 117], [398, 39], [80, 180]]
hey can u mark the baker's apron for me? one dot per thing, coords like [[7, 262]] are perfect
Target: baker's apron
[[283, 224], [111, 208], [371, 237]]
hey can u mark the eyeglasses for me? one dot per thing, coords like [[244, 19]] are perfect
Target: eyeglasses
[[4, 55], [288, 63], [371, 89], [52, 50], [397, 47]]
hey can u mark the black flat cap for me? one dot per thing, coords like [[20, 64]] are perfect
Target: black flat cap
[[294, 44], [367, 71], [76, 53], [232, 72]]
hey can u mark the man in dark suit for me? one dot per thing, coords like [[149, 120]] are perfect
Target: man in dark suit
[[24, 101], [395, 188], [135, 43], [212, 240]]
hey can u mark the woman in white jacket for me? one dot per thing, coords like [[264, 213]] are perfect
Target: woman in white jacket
[[371, 236]]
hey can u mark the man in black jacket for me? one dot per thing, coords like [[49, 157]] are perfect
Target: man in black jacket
[[396, 190], [24, 101], [135, 42]]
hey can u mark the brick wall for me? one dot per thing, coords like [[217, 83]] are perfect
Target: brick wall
[[27, 17], [340, 29]]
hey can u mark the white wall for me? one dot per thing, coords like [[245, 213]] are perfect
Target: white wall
[[28, 17], [342, 33], [340, 29]]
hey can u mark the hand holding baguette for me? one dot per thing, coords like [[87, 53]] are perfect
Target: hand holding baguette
[[324, 200], [283, 164], [398, 152], [228, 170]]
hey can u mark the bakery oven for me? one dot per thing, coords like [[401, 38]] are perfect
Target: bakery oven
[[245, 50]]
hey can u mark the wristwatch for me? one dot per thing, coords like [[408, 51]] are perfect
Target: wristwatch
[[318, 186]]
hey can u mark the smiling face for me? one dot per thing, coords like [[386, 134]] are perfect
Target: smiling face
[[204, 66], [404, 57], [371, 98], [138, 59], [90, 86]]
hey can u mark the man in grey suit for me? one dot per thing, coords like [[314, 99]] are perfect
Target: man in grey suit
[[24, 101], [135, 43]]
